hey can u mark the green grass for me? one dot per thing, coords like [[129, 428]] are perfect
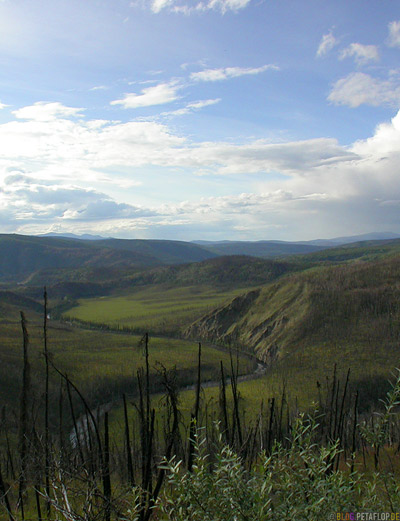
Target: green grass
[[102, 364], [159, 309]]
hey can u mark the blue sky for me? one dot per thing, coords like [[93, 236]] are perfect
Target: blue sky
[[200, 119]]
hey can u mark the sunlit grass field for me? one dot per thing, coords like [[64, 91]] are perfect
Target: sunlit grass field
[[100, 363], [158, 309]]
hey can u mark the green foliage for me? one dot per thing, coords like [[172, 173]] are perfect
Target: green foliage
[[293, 483]]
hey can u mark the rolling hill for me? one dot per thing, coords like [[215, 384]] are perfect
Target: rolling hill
[[350, 311], [265, 249], [22, 256]]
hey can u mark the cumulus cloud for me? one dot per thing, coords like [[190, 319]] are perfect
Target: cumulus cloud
[[229, 72], [394, 34], [361, 53], [28, 199], [66, 170], [358, 88], [157, 95], [328, 42], [293, 158], [44, 111]]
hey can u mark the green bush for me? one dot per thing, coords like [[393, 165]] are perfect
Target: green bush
[[293, 483]]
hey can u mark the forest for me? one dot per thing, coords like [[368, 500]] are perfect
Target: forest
[[226, 388]]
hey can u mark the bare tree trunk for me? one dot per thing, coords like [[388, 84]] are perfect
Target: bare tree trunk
[[46, 407], [23, 432]]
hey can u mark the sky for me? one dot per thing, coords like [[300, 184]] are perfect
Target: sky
[[200, 119]]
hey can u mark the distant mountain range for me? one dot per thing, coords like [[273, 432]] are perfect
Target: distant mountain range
[[23, 257], [84, 237], [373, 236]]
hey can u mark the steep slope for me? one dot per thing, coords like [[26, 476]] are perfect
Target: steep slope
[[356, 305]]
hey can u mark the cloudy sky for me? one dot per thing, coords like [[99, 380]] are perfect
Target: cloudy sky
[[200, 119]]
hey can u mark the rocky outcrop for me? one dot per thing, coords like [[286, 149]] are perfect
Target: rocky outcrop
[[219, 325], [262, 321]]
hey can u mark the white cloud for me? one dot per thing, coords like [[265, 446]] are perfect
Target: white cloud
[[29, 199], [223, 6], [99, 87], [358, 88], [394, 34], [361, 53], [72, 172], [158, 5], [229, 72], [327, 43], [45, 111], [191, 107], [158, 95], [3, 105], [79, 147], [203, 103]]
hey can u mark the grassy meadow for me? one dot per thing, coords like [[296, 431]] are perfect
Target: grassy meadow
[[309, 327], [159, 309], [103, 364]]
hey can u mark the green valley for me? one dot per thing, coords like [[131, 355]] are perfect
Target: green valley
[[276, 335]]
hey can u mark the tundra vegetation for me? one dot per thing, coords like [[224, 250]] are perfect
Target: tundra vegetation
[[265, 394]]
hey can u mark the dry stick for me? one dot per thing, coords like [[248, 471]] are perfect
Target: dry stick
[[236, 401], [143, 430], [198, 386], [89, 446], [37, 496], [195, 416], [23, 414], [77, 435], [128, 445], [106, 472], [341, 418], [260, 427], [46, 406], [149, 455], [223, 404], [146, 346], [10, 462], [4, 493], [330, 434], [343, 401], [253, 437], [87, 409], [168, 452], [335, 423], [283, 401], [60, 421], [287, 419], [353, 446], [271, 421], [144, 439]]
